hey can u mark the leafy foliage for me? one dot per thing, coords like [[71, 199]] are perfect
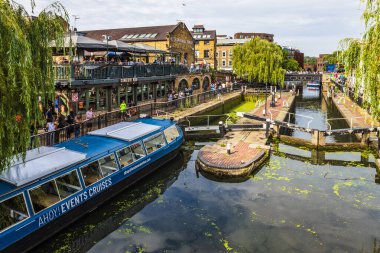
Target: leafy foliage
[[26, 79], [289, 63], [259, 60], [361, 58], [309, 60]]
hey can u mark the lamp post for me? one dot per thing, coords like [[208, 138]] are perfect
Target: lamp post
[[107, 38], [266, 98]]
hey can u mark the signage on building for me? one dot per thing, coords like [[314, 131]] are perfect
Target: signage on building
[[128, 80]]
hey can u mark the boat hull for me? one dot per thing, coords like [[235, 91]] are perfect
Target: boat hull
[[53, 227]]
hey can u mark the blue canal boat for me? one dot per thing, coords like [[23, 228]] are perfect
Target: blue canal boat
[[57, 185]]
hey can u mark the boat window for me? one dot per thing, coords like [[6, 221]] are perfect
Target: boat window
[[171, 134], [68, 184], [108, 165], [91, 173], [44, 196], [126, 156], [138, 150], [12, 211], [154, 143]]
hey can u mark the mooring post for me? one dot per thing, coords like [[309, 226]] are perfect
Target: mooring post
[[365, 137], [267, 126], [222, 129]]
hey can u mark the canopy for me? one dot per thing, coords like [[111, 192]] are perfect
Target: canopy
[[122, 46], [79, 41], [149, 49]]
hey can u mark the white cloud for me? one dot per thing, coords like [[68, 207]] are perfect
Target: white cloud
[[313, 26]]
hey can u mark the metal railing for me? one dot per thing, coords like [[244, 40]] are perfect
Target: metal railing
[[93, 71], [103, 120]]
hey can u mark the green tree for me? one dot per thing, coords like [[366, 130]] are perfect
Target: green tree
[[259, 60], [332, 58], [309, 60], [26, 78], [361, 58], [289, 63]]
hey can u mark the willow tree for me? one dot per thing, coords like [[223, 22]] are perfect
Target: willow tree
[[26, 76], [361, 58], [259, 60]]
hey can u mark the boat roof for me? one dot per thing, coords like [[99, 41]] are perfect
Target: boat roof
[[38, 163], [45, 161], [127, 131]]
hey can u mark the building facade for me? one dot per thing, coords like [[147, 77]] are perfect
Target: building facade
[[224, 48], [266, 36], [296, 55], [205, 45], [321, 64], [176, 40]]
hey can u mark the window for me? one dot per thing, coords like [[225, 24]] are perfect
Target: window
[[224, 54], [154, 143], [44, 196], [207, 42], [148, 35], [138, 150], [197, 53], [91, 173], [153, 35], [142, 35], [49, 193], [230, 53], [196, 42], [95, 171], [217, 54], [135, 36], [108, 165], [171, 134], [68, 184], [130, 154], [12, 211], [224, 63], [206, 53], [230, 63]]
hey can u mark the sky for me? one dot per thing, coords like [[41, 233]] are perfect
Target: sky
[[312, 26]]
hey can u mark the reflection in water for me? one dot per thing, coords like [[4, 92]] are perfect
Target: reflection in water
[[107, 218], [288, 206], [310, 104]]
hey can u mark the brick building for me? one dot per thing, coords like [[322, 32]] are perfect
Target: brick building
[[174, 39], [224, 49], [265, 36], [205, 45], [296, 55], [321, 63]]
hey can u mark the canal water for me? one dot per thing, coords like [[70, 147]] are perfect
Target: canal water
[[291, 204]]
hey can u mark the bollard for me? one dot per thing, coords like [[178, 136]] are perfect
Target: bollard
[[267, 128], [229, 148], [222, 129]]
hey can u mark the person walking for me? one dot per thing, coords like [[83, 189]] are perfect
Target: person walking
[[123, 110]]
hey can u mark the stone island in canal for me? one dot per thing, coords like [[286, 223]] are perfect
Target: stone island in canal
[[56, 185]]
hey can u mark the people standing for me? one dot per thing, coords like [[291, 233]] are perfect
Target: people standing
[[123, 110], [50, 128], [78, 120], [89, 118]]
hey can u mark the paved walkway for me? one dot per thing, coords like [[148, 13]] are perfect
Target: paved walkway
[[276, 113], [350, 110]]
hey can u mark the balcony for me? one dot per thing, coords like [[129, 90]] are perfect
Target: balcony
[[84, 74]]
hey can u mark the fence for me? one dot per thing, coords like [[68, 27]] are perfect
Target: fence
[[144, 110], [114, 71]]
